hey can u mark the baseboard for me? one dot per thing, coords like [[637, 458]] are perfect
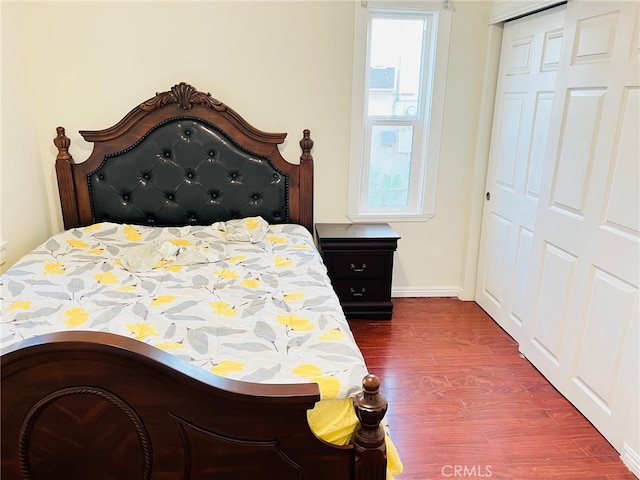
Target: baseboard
[[631, 459], [426, 292]]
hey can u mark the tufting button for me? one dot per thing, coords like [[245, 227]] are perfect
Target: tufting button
[[125, 197], [212, 153], [214, 195], [167, 154], [276, 176], [189, 175], [234, 175], [187, 132], [101, 177], [256, 197], [170, 197], [145, 176]]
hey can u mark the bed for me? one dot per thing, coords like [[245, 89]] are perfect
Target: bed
[[183, 324]]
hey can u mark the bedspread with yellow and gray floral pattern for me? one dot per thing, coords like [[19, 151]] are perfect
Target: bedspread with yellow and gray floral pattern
[[258, 311]]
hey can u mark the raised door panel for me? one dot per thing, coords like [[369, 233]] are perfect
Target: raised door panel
[[530, 57], [551, 313], [597, 365], [622, 212]]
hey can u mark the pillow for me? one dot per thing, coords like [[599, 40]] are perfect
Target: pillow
[[143, 258], [249, 229]]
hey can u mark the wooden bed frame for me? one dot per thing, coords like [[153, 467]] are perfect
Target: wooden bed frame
[[93, 405]]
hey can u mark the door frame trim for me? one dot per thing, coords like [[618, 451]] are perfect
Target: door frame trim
[[505, 10]]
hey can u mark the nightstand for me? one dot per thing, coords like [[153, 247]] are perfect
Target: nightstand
[[359, 259]]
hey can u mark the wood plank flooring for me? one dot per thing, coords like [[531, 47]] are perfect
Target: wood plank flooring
[[464, 404]]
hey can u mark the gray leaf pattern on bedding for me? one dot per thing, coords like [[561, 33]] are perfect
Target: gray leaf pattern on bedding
[[260, 311]]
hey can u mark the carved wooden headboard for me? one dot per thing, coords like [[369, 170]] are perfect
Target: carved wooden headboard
[[181, 158]]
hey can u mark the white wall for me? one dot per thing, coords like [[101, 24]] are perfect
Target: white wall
[[284, 66]]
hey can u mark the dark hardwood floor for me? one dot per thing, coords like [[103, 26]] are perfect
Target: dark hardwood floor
[[464, 404]]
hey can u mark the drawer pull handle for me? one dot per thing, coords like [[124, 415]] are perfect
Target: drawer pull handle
[[358, 294], [361, 269]]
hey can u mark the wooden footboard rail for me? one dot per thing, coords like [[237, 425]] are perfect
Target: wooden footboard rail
[[85, 405]]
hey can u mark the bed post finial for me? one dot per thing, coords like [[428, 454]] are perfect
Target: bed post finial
[[369, 436], [306, 144], [62, 142], [66, 185], [306, 181]]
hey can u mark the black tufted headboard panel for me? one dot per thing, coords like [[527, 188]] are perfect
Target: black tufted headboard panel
[[186, 171], [183, 158]]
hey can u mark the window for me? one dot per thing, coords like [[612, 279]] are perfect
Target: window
[[399, 76]]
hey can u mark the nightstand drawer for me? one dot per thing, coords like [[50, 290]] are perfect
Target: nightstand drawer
[[356, 266], [361, 290]]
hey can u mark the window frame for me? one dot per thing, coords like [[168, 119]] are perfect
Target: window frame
[[426, 143]]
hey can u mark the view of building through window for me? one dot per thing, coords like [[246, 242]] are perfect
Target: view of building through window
[[400, 65], [394, 103]]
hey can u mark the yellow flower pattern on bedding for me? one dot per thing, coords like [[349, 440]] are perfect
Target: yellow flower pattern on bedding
[[76, 317], [169, 345], [292, 297], [274, 239], [77, 243], [142, 330], [251, 283], [180, 242], [335, 334], [132, 234], [162, 263], [222, 308], [307, 371], [282, 262], [107, 278], [227, 274], [54, 268], [252, 223], [295, 322], [257, 311], [225, 367], [20, 305], [162, 300]]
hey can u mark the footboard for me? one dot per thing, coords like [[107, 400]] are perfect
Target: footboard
[[83, 405]]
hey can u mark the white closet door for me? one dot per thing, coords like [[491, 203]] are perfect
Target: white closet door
[[583, 286], [526, 80]]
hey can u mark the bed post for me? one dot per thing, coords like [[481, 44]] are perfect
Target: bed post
[[306, 181], [369, 437], [66, 185]]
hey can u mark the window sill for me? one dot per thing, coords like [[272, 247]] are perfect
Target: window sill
[[390, 218]]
